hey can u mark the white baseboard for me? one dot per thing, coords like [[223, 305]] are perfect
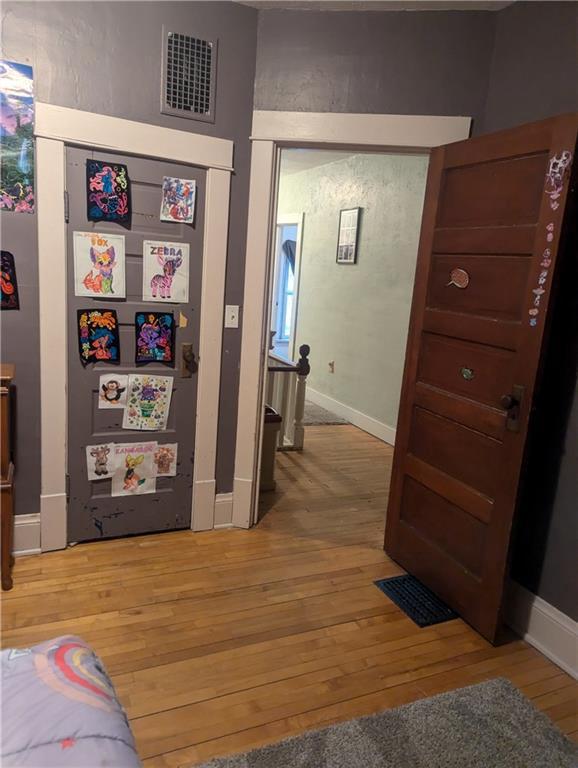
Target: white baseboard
[[223, 510], [26, 534], [541, 625], [366, 423]]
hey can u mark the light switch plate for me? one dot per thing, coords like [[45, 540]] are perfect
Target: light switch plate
[[232, 316]]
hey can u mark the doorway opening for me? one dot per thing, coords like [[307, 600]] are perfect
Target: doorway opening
[[344, 247]]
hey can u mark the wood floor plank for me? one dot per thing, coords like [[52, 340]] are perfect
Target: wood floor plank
[[225, 640]]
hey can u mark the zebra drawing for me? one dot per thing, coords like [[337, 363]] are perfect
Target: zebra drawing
[[161, 284]]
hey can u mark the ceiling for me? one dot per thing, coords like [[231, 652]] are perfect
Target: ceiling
[[378, 5], [297, 160]]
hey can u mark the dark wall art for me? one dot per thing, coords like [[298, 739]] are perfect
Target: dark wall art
[[107, 192], [8, 281]]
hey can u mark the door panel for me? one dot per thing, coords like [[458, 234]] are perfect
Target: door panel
[[92, 511], [488, 420], [449, 364], [495, 285], [443, 443], [494, 211], [484, 330], [438, 521], [501, 193], [485, 240]]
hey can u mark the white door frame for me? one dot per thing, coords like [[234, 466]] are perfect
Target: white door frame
[[272, 131], [55, 128]]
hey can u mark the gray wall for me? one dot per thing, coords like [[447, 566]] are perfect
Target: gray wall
[[20, 333], [368, 344], [556, 580], [534, 65], [424, 63], [105, 57], [534, 74]]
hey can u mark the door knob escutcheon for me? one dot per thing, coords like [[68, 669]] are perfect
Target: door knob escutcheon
[[188, 363], [512, 404]]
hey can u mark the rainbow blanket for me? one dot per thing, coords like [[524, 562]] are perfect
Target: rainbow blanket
[[59, 709]]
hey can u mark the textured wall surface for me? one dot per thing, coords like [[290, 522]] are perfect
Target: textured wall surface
[[105, 57], [357, 315], [430, 63], [534, 65]]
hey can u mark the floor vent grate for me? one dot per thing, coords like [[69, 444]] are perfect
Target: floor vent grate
[[416, 600]]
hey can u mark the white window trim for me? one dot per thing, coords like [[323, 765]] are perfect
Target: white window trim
[[297, 220], [55, 128], [272, 130]]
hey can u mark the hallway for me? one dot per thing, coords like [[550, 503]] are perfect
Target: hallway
[[221, 641]]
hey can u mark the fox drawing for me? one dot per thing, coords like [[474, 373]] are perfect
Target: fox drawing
[[103, 264]]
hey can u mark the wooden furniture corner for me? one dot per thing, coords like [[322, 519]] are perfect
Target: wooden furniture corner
[[6, 473]]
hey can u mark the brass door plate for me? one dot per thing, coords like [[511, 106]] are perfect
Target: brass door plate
[[188, 365]]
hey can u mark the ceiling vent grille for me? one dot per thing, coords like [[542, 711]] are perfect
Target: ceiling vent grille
[[189, 74]]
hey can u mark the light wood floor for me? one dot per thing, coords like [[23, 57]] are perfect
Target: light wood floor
[[221, 641]]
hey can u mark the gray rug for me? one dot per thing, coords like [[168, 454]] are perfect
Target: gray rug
[[314, 415], [491, 725]]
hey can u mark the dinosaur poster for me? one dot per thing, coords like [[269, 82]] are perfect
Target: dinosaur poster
[[112, 391], [165, 459], [8, 282], [16, 137], [165, 272], [154, 337], [100, 461], [135, 471], [99, 265], [107, 192], [148, 402], [178, 200], [98, 340]]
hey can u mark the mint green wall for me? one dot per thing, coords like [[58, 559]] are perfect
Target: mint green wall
[[358, 315]]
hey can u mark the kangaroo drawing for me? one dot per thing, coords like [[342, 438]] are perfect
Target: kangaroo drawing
[[162, 283], [131, 480]]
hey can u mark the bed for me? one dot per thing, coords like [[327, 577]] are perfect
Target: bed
[[59, 709]]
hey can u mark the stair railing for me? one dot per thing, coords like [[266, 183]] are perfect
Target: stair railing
[[286, 391]]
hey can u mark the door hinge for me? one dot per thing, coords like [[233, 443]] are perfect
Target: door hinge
[[66, 207], [67, 487]]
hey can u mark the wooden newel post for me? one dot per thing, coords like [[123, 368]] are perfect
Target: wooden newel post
[[303, 371]]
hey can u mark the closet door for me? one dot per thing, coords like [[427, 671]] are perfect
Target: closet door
[[93, 512]]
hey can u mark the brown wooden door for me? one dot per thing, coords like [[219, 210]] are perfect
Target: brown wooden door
[[490, 237]]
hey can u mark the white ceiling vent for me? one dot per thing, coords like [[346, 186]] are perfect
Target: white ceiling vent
[[188, 76]]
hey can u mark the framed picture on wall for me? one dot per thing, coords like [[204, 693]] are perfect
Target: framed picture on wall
[[347, 239]]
